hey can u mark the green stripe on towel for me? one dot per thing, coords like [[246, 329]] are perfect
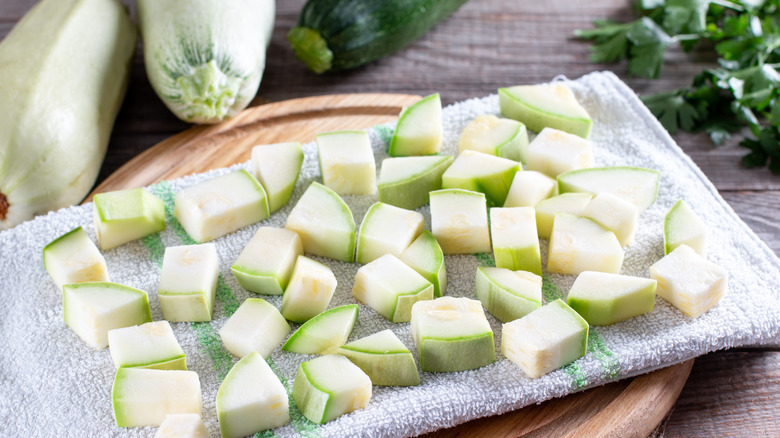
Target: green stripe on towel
[[579, 379], [156, 248], [485, 259], [385, 134], [550, 292], [210, 340], [301, 424], [605, 356], [608, 360]]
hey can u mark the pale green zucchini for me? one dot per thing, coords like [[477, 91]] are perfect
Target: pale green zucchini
[[205, 58], [63, 75]]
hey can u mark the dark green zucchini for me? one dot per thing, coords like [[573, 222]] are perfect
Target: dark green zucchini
[[343, 34]]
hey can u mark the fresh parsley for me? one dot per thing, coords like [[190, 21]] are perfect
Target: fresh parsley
[[742, 91]]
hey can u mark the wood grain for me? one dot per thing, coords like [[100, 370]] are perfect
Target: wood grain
[[656, 396], [630, 408], [203, 148], [492, 43], [761, 211], [737, 388], [551, 418]]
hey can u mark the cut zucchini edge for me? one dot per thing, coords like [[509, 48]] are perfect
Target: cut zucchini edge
[[311, 48], [587, 124], [54, 243], [305, 377], [443, 160], [505, 92], [172, 361], [339, 206], [299, 337], [503, 286], [571, 182], [62, 238], [346, 212], [376, 353], [407, 117], [668, 220], [680, 214]]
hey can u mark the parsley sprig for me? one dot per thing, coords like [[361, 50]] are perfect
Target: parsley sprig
[[743, 90]]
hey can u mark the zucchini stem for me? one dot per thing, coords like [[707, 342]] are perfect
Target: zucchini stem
[[207, 93], [311, 48], [3, 206]]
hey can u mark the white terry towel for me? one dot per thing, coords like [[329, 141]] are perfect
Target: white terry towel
[[52, 384]]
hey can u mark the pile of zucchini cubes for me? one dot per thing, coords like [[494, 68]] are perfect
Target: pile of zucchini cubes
[[499, 195]]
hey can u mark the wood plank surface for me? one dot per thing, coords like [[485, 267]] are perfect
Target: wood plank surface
[[633, 407], [729, 393], [492, 43], [202, 148]]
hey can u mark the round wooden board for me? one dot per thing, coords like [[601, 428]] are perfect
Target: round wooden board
[[632, 407]]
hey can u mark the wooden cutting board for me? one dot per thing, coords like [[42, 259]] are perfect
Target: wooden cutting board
[[632, 407]]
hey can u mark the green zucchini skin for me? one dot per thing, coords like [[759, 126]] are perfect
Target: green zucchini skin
[[205, 58], [343, 34]]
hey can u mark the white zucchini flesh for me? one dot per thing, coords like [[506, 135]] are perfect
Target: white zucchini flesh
[[387, 229], [182, 426], [251, 399], [143, 397], [384, 358], [545, 339], [205, 58], [149, 345], [74, 258], [637, 185], [324, 333], [390, 287], [60, 91], [425, 256], [683, 226], [325, 223]]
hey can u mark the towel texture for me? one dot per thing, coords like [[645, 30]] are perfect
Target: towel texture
[[53, 384]]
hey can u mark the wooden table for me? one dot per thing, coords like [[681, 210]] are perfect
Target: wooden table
[[492, 43]]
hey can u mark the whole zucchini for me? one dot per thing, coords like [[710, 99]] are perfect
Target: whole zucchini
[[343, 34], [63, 75], [205, 58]]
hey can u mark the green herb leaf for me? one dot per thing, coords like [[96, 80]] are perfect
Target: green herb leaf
[[756, 158], [611, 43], [651, 4], [718, 134], [735, 25], [685, 16], [649, 43], [743, 92], [604, 30], [774, 114], [732, 50], [613, 49], [672, 110], [764, 150]]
